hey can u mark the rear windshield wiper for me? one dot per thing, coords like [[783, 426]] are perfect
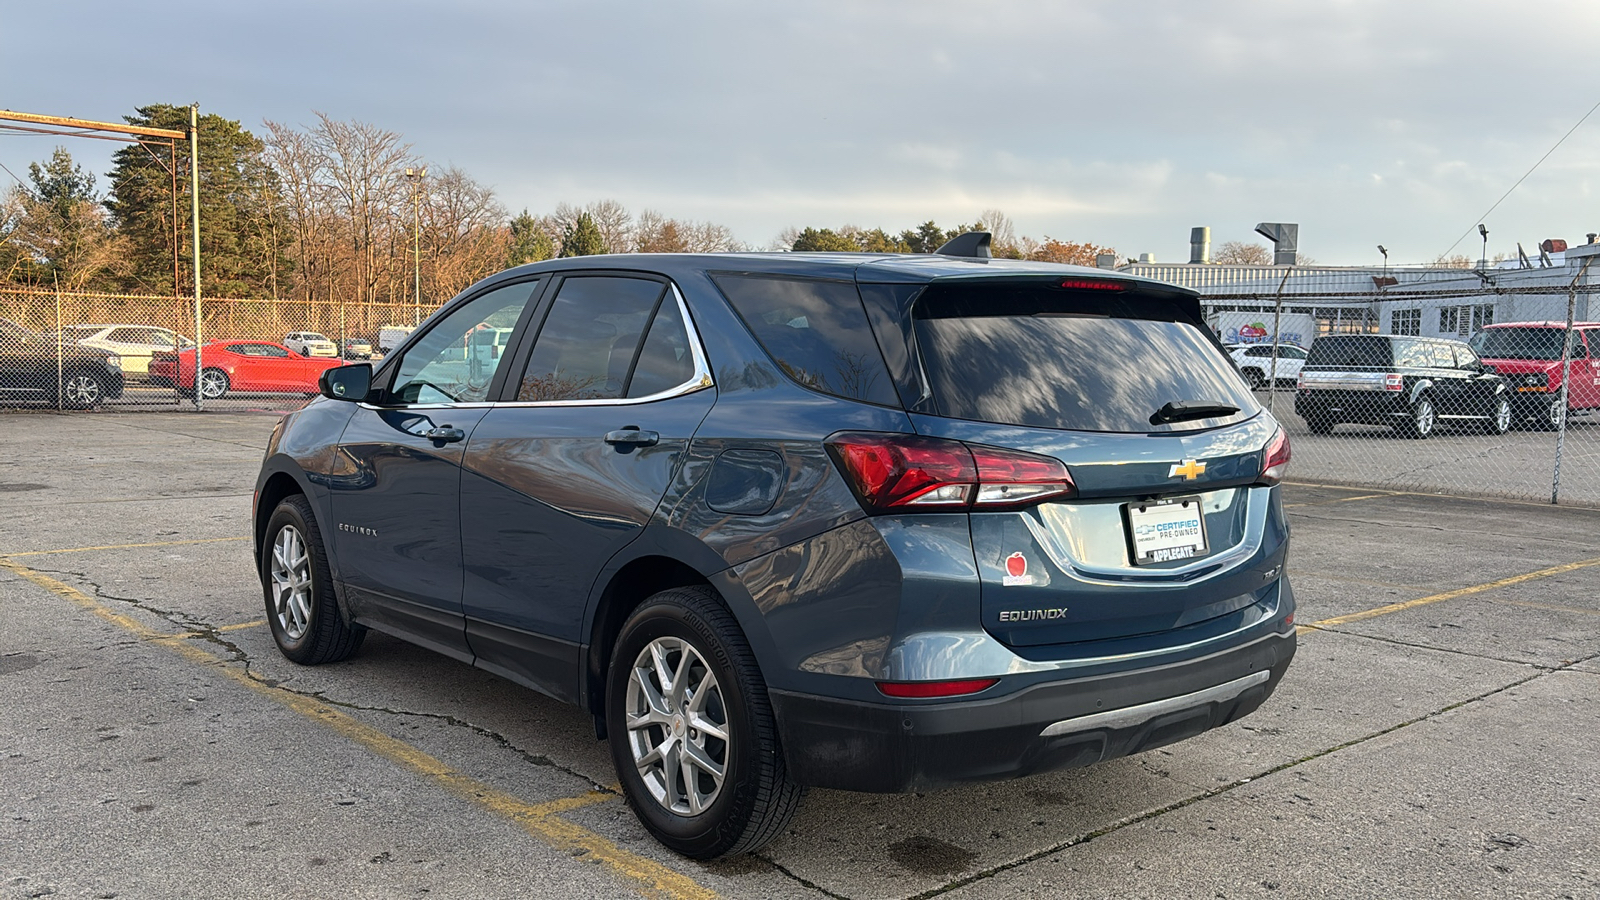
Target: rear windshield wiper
[[1186, 410]]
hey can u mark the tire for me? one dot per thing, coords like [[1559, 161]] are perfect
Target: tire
[[80, 390], [687, 637], [213, 384], [1550, 418], [298, 587], [1255, 378], [1500, 418], [1423, 419]]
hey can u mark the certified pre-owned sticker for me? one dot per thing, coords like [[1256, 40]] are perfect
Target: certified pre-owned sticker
[[1016, 571]]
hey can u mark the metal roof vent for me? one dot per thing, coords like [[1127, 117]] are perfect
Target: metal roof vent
[[1199, 246], [1285, 238]]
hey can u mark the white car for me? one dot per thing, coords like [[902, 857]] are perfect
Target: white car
[[1255, 361], [310, 343], [134, 343]]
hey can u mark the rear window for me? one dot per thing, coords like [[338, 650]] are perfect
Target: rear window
[[1542, 344], [1349, 351], [816, 331], [1046, 357]]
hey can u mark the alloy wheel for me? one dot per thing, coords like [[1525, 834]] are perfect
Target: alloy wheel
[[677, 724], [291, 582], [1423, 418], [213, 384], [81, 391]]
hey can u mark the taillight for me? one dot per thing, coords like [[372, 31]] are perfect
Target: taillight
[[1275, 459], [1093, 284], [924, 689], [911, 473], [1393, 383]]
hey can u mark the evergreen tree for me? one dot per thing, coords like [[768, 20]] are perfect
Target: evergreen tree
[[583, 238], [56, 231], [240, 208], [529, 241], [824, 240]]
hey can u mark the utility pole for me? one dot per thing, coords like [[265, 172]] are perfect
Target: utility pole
[[415, 176]]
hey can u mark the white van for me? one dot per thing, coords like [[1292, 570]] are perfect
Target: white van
[[392, 336]]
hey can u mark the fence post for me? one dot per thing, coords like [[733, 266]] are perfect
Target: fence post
[[1566, 380], [194, 214], [1277, 323], [61, 362]]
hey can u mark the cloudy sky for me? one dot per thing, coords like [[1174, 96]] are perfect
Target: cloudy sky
[[1120, 123]]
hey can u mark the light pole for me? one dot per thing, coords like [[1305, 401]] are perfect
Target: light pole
[[415, 176], [1385, 260], [1483, 263]]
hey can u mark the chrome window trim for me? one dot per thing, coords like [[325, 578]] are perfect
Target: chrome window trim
[[700, 380]]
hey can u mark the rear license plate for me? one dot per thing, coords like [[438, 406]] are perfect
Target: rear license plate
[[1164, 530]]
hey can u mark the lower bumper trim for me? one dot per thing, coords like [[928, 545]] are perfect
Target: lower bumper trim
[[1144, 712]]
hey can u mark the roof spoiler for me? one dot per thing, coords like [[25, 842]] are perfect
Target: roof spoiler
[[973, 244]]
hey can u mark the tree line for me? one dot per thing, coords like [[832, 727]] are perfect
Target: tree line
[[329, 212]]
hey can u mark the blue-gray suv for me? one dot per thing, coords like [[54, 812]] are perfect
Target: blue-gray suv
[[859, 521]]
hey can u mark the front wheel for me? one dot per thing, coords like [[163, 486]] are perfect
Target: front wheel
[[82, 391], [693, 736], [298, 585], [1422, 421], [1550, 418], [1500, 417]]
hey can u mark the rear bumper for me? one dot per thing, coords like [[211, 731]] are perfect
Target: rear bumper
[[885, 747], [1362, 407]]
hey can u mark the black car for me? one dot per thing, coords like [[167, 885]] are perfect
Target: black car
[[859, 521], [36, 368], [1408, 383]]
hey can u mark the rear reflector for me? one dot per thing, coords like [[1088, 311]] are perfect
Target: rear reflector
[[911, 473], [925, 689], [1394, 382]]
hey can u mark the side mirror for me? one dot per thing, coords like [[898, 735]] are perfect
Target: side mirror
[[351, 383]]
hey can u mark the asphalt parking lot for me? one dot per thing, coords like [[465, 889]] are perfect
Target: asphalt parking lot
[[1436, 736]]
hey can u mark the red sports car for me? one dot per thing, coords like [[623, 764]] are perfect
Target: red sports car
[[241, 366]]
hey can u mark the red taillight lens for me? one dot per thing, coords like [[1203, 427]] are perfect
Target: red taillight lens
[[1393, 383], [907, 473], [925, 689], [1275, 459], [1093, 284]]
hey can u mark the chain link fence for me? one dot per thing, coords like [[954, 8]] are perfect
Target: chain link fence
[[94, 351], [1463, 382], [1353, 416]]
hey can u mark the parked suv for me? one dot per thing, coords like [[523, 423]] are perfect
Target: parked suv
[[1258, 367], [310, 343], [870, 522], [1529, 355], [1407, 383]]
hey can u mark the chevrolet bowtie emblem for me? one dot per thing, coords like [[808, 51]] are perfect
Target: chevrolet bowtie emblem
[[1190, 470]]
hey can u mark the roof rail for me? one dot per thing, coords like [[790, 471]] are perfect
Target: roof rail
[[974, 244]]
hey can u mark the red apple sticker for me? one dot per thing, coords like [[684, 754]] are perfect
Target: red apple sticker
[[1016, 565]]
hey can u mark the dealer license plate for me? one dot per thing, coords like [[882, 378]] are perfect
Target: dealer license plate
[[1165, 530]]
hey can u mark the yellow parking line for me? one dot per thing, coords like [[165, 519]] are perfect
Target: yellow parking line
[[243, 625], [121, 547], [1448, 595], [541, 820], [1338, 500]]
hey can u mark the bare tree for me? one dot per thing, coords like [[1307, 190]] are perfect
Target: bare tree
[[363, 165], [465, 232], [1239, 253], [1003, 234]]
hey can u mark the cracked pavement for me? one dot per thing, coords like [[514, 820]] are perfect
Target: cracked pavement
[[1441, 750]]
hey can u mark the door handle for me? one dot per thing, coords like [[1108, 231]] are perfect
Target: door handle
[[445, 434], [632, 437]]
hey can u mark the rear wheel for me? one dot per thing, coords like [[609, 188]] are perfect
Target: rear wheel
[[298, 585], [213, 384], [1422, 421], [1255, 378], [693, 736], [1550, 417]]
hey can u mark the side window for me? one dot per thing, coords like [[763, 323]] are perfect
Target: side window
[[241, 349], [452, 363], [1415, 354], [1465, 358], [586, 348], [665, 360], [816, 331], [1443, 358], [267, 350]]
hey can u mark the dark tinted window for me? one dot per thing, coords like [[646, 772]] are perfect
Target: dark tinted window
[[1519, 343], [664, 361], [1081, 360], [586, 347], [1350, 351], [816, 331]]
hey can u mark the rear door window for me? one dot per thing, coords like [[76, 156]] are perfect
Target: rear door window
[[816, 331], [1048, 357]]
